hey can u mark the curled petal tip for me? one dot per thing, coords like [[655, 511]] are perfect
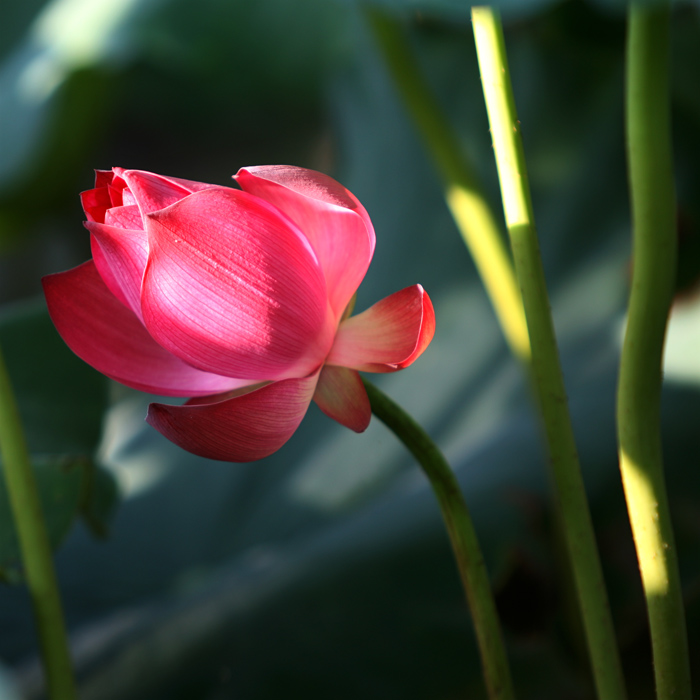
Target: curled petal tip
[[427, 328], [388, 336]]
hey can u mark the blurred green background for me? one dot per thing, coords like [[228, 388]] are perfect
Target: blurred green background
[[323, 571]]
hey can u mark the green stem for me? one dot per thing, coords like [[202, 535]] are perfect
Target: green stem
[[463, 193], [639, 388], [34, 544], [465, 545], [547, 376]]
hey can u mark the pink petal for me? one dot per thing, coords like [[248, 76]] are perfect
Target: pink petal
[[119, 190], [105, 334], [95, 203], [239, 429], [233, 288], [103, 178], [107, 193], [127, 199], [153, 192], [124, 217], [120, 257], [334, 221], [388, 336], [341, 395], [189, 185]]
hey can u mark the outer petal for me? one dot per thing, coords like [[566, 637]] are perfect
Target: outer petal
[[341, 395], [105, 334], [117, 187], [233, 288], [240, 429], [334, 221], [189, 185], [388, 336], [153, 192], [120, 257]]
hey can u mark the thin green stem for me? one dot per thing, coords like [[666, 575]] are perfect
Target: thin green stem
[[639, 389], [463, 193], [465, 545], [34, 544], [548, 381]]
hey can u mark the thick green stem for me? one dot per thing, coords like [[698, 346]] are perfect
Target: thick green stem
[[465, 545], [34, 544], [639, 389], [463, 193], [548, 381]]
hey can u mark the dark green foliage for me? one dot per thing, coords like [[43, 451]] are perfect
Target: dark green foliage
[[62, 402], [323, 571]]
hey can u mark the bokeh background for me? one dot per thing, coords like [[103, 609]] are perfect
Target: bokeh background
[[323, 571]]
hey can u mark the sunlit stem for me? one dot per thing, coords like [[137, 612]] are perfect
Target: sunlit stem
[[464, 195], [34, 544], [548, 381], [639, 389], [470, 562]]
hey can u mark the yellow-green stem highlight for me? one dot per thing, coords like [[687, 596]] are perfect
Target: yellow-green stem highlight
[[548, 381], [650, 166], [463, 193], [34, 544], [465, 545]]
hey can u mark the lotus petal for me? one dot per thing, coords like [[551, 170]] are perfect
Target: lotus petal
[[238, 429], [233, 288], [388, 336], [120, 257], [334, 221], [341, 395], [104, 333]]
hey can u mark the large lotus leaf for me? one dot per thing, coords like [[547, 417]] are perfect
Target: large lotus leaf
[[9, 689], [59, 488], [61, 401], [67, 487]]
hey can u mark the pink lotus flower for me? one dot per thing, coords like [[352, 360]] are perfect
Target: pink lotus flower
[[239, 299]]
